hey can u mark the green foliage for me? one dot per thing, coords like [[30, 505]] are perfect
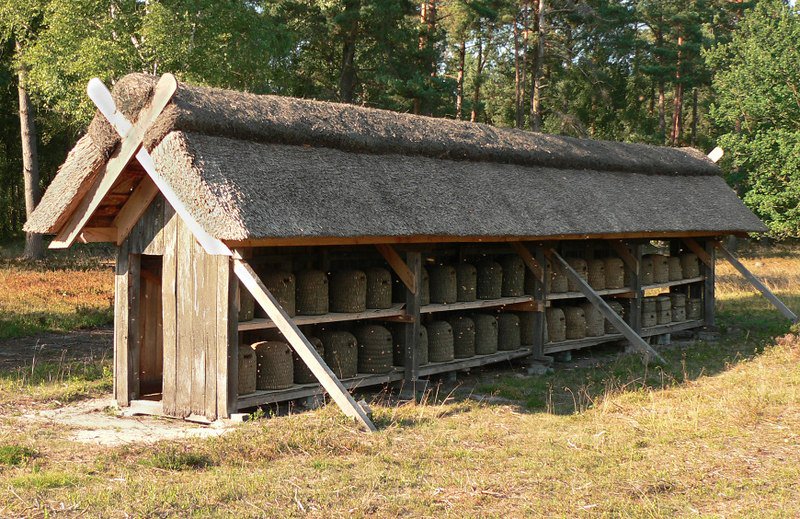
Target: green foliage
[[176, 459], [14, 455], [757, 110]]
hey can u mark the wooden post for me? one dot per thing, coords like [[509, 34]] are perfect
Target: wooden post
[[126, 329], [412, 329], [766, 292], [300, 343], [709, 272], [540, 297], [607, 311], [634, 281]]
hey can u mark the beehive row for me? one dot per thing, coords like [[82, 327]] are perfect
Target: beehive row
[[465, 282], [579, 322], [670, 308], [374, 349], [657, 268]]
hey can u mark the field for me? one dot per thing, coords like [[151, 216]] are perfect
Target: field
[[716, 432]]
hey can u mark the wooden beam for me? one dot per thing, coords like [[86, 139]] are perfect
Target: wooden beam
[[134, 208], [624, 253], [528, 259], [761, 287], [98, 234], [617, 321], [412, 329], [130, 145], [399, 266], [300, 343], [311, 241], [701, 253]]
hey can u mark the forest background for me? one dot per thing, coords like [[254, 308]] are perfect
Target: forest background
[[700, 73]]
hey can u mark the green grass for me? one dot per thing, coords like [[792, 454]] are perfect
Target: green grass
[[13, 455]]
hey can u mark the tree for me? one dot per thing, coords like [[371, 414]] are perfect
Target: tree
[[757, 111]]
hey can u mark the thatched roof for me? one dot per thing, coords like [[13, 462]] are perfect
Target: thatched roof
[[252, 167]]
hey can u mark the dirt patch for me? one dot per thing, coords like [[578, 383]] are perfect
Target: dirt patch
[[99, 422], [80, 346]]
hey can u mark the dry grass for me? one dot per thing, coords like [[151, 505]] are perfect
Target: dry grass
[[716, 432]]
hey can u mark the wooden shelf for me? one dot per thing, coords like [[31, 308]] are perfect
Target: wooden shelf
[[577, 344], [472, 305], [261, 323], [306, 390], [673, 283], [679, 326], [433, 368], [579, 295]]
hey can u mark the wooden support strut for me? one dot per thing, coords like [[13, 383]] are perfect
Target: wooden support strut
[[399, 266], [300, 343], [622, 250], [617, 321], [529, 260], [766, 292], [701, 253], [130, 145]]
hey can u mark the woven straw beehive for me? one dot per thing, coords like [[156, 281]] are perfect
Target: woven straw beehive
[[558, 283], [485, 334], [556, 325], [312, 292], [615, 273], [348, 291], [247, 304], [425, 290], [440, 341], [463, 336], [275, 366], [690, 265], [646, 273], [678, 314], [303, 375], [649, 312], [508, 332], [467, 281], [399, 353], [660, 268], [597, 274], [530, 282], [694, 309], [663, 310], [341, 353], [379, 288], [526, 329], [248, 367], [620, 310], [282, 286], [513, 284], [375, 349], [675, 269], [582, 268], [575, 322], [490, 280], [595, 322], [677, 300], [443, 284]]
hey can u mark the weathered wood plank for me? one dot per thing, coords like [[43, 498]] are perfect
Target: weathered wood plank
[[153, 241], [607, 311], [710, 284], [761, 287], [135, 207], [398, 265], [169, 310], [634, 280], [412, 329], [701, 253], [97, 234], [121, 327], [300, 344], [210, 323], [227, 341], [539, 297], [199, 319], [185, 312]]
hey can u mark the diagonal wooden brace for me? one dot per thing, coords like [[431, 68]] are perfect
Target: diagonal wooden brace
[[105, 103], [699, 251], [761, 287], [622, 251], [608, 312], [399, 266], [131, 142], [529, 260], [300, 343]]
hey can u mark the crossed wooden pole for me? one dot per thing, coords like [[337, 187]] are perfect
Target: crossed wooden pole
[[132, 136]]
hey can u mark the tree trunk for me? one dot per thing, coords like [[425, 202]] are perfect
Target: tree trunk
[[34, 248], [524, 68], [694, 116], [476, 94], [347, 76], [462, 53], [517, 75], [536, 92], [677, 107], [662, 117]]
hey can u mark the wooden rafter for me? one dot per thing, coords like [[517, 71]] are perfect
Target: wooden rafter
[[622, 251], [399, 266], [701, 253], [528, 259], [130, 145]]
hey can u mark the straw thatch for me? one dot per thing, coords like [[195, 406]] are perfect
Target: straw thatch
[[252, 167]]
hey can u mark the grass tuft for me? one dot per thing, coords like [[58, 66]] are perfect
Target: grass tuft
[[176, 459], [15, 455]]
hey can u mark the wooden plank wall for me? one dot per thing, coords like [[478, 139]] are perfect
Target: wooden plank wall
[[199, 338]]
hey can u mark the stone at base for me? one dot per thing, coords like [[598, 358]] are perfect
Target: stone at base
[[663, 340], [563, 356]]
